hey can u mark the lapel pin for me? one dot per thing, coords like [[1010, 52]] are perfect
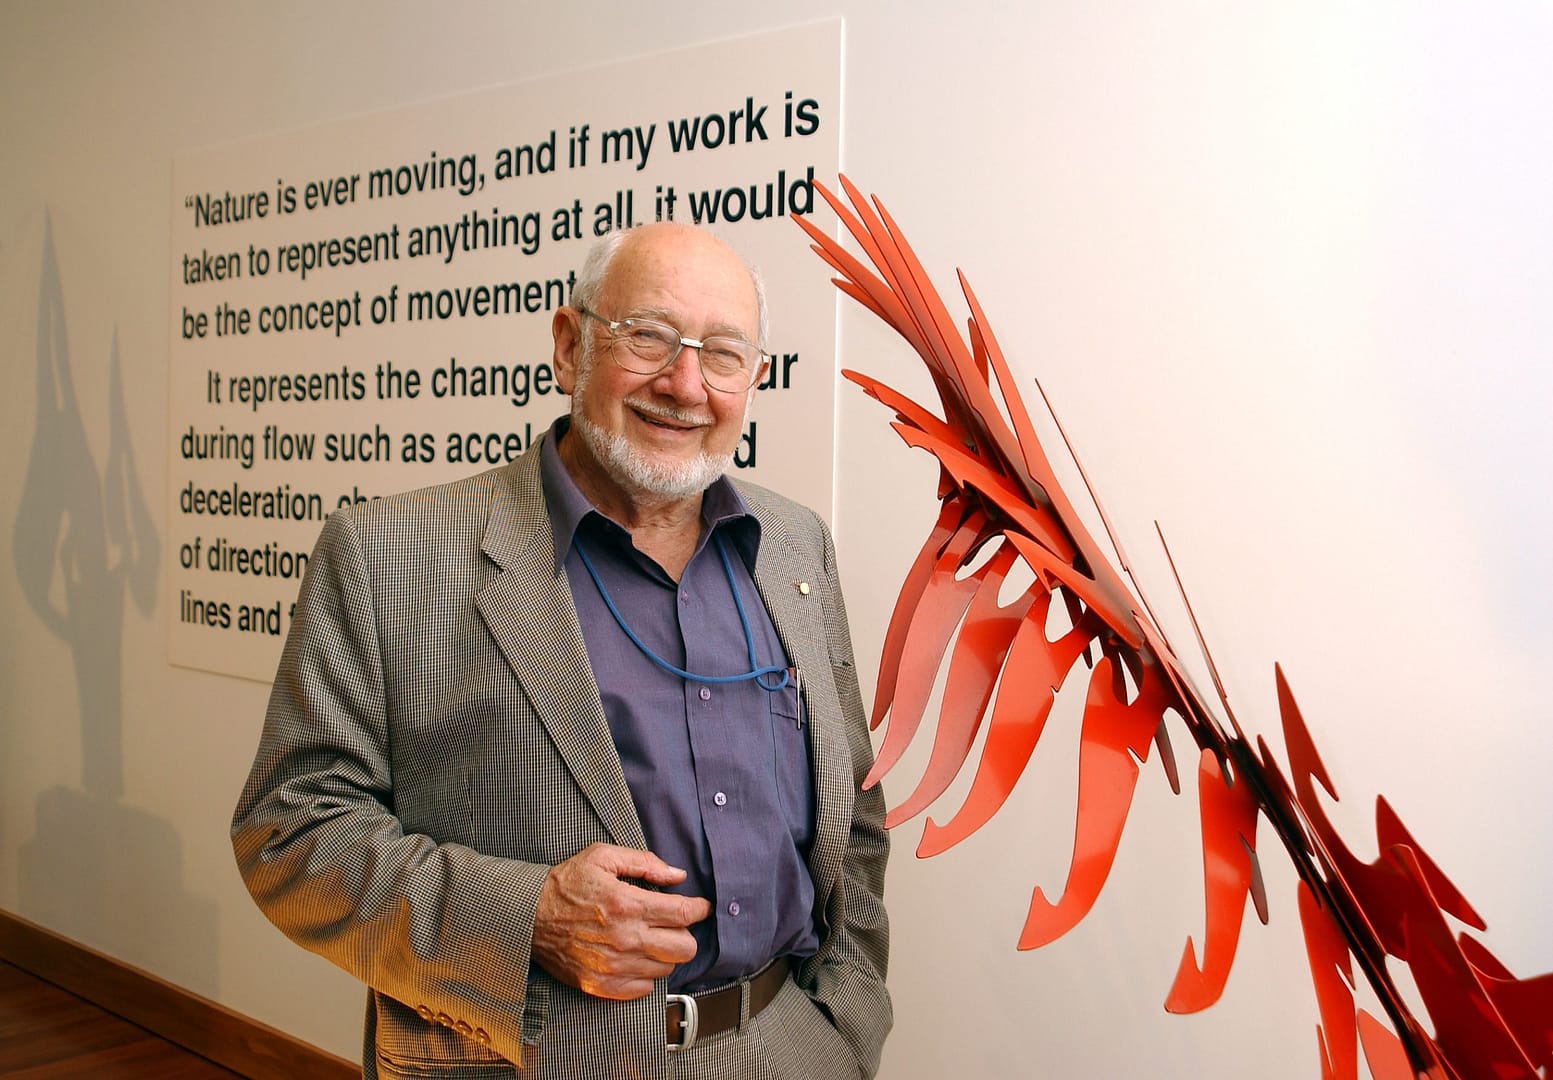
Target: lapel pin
[[803, 588]]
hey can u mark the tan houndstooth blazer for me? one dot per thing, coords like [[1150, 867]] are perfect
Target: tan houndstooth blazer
[[435, 742]]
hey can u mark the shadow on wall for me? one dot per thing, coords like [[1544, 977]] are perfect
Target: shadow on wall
[[97, 870]]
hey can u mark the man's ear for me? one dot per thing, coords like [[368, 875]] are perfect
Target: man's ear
[[566, 330], [749, 395]]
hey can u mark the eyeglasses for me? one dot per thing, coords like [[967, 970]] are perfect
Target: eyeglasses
[[728, 364]]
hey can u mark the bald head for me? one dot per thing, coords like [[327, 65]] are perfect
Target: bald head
[[677, 236]]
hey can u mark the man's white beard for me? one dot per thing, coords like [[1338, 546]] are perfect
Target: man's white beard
[[642, 475]]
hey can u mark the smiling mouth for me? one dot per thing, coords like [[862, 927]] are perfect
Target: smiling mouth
[[667, 419]]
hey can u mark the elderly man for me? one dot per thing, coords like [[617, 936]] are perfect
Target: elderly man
[[563, 760]]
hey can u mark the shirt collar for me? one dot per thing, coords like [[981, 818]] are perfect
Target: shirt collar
[[722, 506]]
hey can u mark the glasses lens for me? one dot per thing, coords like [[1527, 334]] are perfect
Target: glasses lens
[[728, 363], [648, 346]]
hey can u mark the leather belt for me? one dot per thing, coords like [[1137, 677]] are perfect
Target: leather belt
[[696, 1016]]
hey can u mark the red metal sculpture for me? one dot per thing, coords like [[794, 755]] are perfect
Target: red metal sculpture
[[999, 495]]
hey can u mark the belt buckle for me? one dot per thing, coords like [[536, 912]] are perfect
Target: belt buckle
[[689, 1024]]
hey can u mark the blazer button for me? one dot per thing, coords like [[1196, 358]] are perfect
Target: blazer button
[[444, 1019], [482, 1037], [463, 1028], [425, 1012]]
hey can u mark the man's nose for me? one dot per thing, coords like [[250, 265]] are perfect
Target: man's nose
[[683, 376]]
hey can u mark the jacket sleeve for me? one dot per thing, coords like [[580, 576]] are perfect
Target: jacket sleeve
[[439, 927], [849, 971]]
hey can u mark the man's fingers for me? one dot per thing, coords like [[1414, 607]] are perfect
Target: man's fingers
[[657, 908], [640, 865], [668, 946], [670, 910], [617, 988]]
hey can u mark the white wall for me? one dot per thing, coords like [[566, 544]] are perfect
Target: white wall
[[1282, 269]]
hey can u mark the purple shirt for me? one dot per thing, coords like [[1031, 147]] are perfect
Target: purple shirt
[[720, 773]]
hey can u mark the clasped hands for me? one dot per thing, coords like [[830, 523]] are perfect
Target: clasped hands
[[597, 930]]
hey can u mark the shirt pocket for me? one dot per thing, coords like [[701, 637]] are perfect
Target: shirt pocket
[[791, 762], [786, 704]]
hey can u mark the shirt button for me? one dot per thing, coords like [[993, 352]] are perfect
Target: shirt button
[[733, 908], [720, 799], [706, 693]]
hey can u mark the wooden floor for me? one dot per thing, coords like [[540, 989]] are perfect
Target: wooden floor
[[48, 1034]]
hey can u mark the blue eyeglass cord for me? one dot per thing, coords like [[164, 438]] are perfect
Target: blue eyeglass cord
[[756, 672]]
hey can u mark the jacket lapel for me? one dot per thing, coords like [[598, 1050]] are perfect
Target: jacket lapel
[[800, 623], [528, 610]]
